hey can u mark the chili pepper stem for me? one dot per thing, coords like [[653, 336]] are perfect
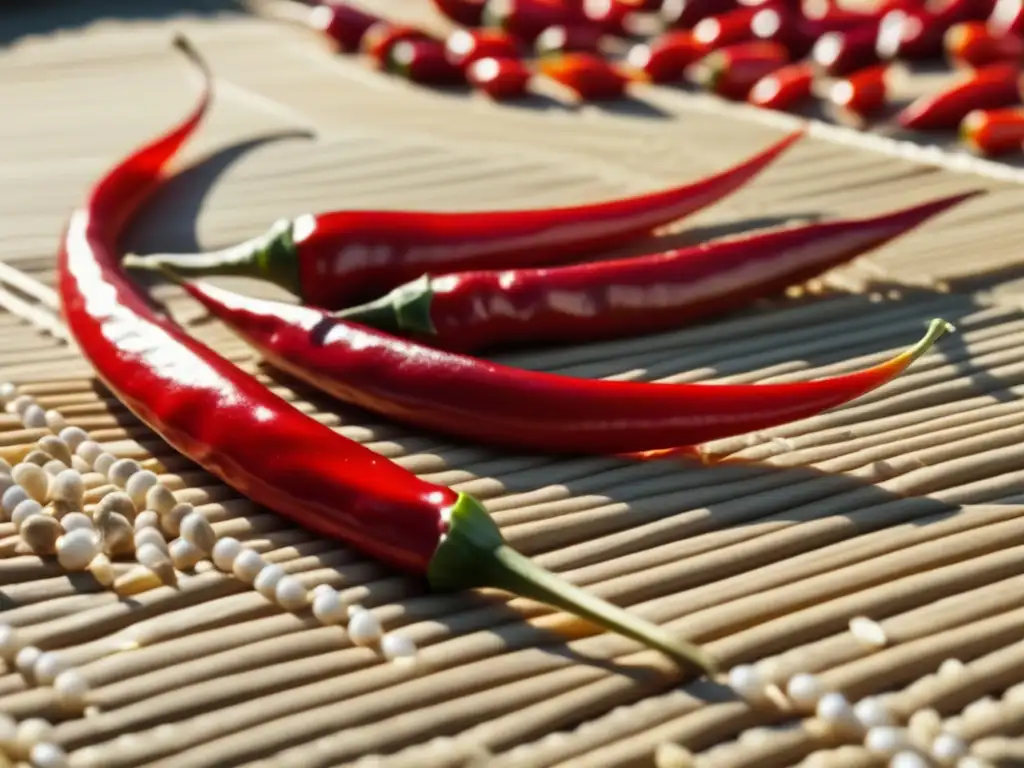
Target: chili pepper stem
[[270, 256], [473, 553], [405, 309]]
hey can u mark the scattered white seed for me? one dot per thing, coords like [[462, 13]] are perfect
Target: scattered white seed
[[248, 563], [56, 447], [68, 486], [150, 536], [872, 711], [321, 588], [47, 755], [950, 667], [20, 404], [266, 580], [117, 501], [157, 560], [33, 479], [103, 463], [47, 667], [947, 748], [885, 739], [54, 467], [147, 519], [159, 498], [223, 552], [185, 555], [7, 391], [924, 725], [745, 680], [102, 570], [804, 689], [40, 533], [364, 628], [74, 437], [88, 451], [9, 645], [75, 520], [77, 548], [25, 509], [55, 422], [116, 533], [396, 647], [29, 733], [289, 592], [37, 457], [12, 497], [136, 581], [353, 609], [196, 529], [138, 485], [8, 731], [80, 465], [122, 470], [34, 417], [328, 607], [868, 632], [170, 521], [25, 660], [833, 708], [908, 759], [71, 688]]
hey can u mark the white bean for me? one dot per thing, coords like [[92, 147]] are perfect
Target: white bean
[[74, 437]]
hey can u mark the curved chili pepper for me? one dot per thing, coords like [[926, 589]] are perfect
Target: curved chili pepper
[[423, 61], [731, 72], [685, 14], [997, 85], [525, 19], [464, 46], [1007, 18], [224, 419], [572, 38], [785, 88], [474, 399], [666, 57], [844, 52], [470, 311], [468, 13], [993, 131], [589, 76], [501, 79], [382, 37], [332, 259], [972, 43], [862, 94], [341, 23]]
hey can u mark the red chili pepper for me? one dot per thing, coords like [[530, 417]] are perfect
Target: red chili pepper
[[342, 24], [972, 43], [841, 53], [475, 399], [642, 6], [862, 94], [590, 76], [501, 79], [423, 61], [238, 430], [731, 72], [525, 19], [1007, 18], [382, 36], [835, 15], [997, 85], [610, 16], [685, 14], [664, 59], [789, 29], [555, 41], [332, 259], [918, 34], [726, 29], [464, 46], [785, 88], [468, 13], [582, 303], [993, 131]]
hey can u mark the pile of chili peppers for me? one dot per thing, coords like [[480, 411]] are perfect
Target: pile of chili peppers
[[778, 54], [224, 419]]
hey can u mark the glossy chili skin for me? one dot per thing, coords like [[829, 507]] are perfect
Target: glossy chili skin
[[341, 23], [997, 85], [685, 14], [1007, 18], [468, 13], [666, 57], [501, 79], [971, 43], [863, 93], [732, 71], [215, 414], [472, 311], [465, 46], [588, 75], [473, 399], [334, 259], [784, 89], [993, 131]]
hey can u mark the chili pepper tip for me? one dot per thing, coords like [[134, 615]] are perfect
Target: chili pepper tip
[[473, 553]]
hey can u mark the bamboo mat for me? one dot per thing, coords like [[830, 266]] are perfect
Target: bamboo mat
[[906, 506]]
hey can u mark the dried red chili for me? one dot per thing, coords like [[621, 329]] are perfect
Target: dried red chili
[[997, 85], [784, 89], [479, 400], [560, 39], [588, 75], [501, 79], [972, 43], [666, 57], [223, 419], [725, 29], [470, 311], [731, 72], [341, 23], [465, 46], [332, 259], [423, 61], [382, 37], [993, 131], [525, 19], [862, 94], [1007, 18], [842, 53]]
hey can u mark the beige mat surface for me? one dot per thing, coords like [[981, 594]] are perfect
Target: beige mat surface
[[906, 506]]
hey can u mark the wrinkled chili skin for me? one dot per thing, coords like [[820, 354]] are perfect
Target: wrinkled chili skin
[[215, 414], [479, 400], [344, 257]]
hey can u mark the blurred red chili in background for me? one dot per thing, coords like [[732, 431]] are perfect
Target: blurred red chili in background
[[997, 85], [567, 39], [843, 52], [423, 61], [468, 13], [919, 33], [342, 24], [726, 29], [993, 131], [525, 19], [785, 88], [971, 43], [590, 76], [863, 93], [382, 36], [664, 58], [500, 79], [685, 14], [610, 16], [464, 46], [731, 72], [1007, 18]]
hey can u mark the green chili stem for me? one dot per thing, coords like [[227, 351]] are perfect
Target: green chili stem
[[405, 309]]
